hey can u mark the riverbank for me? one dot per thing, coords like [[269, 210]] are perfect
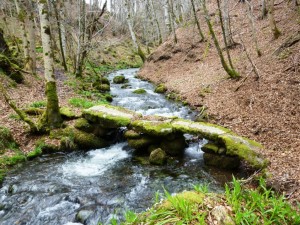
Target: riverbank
[[264, 108]]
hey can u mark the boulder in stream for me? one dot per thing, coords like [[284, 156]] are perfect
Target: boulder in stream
[[119, 79], [158, 157]]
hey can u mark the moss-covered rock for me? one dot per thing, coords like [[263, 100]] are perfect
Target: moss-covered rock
[[102, 87], [245, 149], [206, 130], [104, 80], [72, 137], [108, 116], [125, 86], [174, 147], [141, 143], [139, 91], [158, 157], [131, 134], [84, 125], [161, 88], [108, 98], [67, 113], [153, 127], [119, 79], [221, 161], [34, 111], [213, 148]]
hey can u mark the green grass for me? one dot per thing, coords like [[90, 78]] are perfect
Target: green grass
[[260, 206], [249, 206], [38, 104]]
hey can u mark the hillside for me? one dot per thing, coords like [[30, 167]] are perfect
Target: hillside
[[265, 109]]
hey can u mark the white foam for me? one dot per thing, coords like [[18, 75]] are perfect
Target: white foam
[[96, 163]]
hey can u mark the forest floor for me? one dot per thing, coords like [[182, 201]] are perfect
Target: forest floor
[[264, 108]]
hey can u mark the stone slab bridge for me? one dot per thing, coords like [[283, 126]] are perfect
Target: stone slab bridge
[[147, 133]]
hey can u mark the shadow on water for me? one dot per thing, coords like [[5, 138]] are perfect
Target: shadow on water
[[103, 183]]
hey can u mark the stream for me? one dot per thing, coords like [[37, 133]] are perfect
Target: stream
[[103, 183]]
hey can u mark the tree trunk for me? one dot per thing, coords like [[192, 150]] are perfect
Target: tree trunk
[[21, 18], [251, 19], [136, 46], [276, 32], [157, 22], [197, 21], [60, 32], [167, 17], [172, 19], [264, 11], [52, 118], [231, 72], [31, 37], [226, 19]]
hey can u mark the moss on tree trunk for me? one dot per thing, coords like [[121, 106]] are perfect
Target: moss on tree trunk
[[52, 117]]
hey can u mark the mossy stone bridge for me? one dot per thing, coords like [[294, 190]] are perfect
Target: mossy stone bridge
[[146, 133]]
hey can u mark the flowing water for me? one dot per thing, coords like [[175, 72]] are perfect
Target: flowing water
[[101, 183]]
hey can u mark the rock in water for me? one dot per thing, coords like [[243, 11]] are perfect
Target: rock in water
[[158, 157]]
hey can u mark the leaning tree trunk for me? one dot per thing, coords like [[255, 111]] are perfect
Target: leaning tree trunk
[[230, 71], [52, 117], [197, 21]]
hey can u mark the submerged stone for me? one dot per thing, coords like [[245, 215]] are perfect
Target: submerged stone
[[158, 157]]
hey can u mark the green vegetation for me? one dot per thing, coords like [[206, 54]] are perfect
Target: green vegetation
[[238, 205], [161, 88], [37, 150], [38, 104], [140, 91]]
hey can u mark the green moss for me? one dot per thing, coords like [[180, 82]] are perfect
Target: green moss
[[142, 143], [206, 130], [108, 116], [84, 125], [67, 113], [102, 87], [53, 117], [244, 149], [37, 151], [155, 128], [34, 111], [210, 147], [131, 134], [71, 137], [119, 79], [83, 103], [158, 157], [161, 88], [108, 98], [140, 91]]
